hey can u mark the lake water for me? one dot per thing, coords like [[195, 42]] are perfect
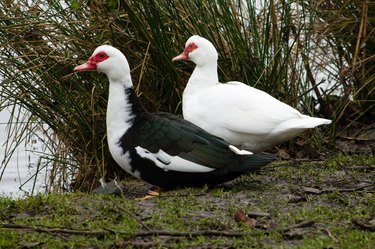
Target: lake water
[[16, 180]]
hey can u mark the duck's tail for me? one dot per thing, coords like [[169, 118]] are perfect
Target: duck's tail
[[311, 122], [250, 163], [297, 125]]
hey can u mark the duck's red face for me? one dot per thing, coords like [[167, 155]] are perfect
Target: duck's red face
[[185, 55], [190, 47], [92, 62]]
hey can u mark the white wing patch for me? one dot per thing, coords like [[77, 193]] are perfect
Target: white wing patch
[[238, 151], [168, 162]]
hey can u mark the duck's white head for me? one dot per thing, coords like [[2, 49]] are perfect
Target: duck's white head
[[199, 50], [110, 61]]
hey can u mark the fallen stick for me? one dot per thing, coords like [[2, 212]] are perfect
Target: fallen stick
[[137, 234], [100, 233]]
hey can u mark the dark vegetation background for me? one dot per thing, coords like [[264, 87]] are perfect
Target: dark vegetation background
[[279, 47]]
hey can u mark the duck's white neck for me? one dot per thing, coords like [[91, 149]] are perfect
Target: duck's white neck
[[122, 109], [202, 77]]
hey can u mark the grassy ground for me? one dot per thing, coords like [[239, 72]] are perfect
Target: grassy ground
[[326, 204]]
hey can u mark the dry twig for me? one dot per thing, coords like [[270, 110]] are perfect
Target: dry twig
[[100, 233]]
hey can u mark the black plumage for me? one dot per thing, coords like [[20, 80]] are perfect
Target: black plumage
[[178, 137]]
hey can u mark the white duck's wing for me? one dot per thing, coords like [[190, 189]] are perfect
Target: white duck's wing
[[258, 111], [239, 108]]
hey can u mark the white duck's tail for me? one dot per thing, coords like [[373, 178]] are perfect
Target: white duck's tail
[[296, 125], [311, 122]]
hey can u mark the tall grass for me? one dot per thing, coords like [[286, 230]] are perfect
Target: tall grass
[[347, 30], [269, 46]]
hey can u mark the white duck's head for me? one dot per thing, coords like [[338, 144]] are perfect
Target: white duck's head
[[108, 60], [199, 50]]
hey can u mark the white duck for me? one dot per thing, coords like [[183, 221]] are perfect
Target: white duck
[[242, 115]]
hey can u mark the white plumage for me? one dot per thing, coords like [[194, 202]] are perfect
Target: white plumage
[[242, 115], [167, 162]]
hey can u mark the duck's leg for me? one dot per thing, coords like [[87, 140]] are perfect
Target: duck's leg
[[154, 191]]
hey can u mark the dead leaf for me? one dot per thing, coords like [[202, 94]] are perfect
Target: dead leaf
[[300, 141], [307, 151], [109, 188], [283, 154], [296, 198], [242, 218], [272, 225], [311, 190], [27, 245]]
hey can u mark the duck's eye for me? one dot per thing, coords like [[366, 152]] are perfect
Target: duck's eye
[[191, 47], [101, 56]]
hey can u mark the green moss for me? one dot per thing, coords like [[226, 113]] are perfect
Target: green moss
[[341, 160], [198, 209]]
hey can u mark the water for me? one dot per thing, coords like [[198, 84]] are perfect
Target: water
[[15, 181]]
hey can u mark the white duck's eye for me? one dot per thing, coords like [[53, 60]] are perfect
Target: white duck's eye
[[191, 47], [101, 56]]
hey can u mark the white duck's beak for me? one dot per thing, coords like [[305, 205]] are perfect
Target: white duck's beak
[[183, 56], [88, 66]]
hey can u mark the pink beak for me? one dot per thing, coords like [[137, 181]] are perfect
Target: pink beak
[[86, 66], [183, 56]]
